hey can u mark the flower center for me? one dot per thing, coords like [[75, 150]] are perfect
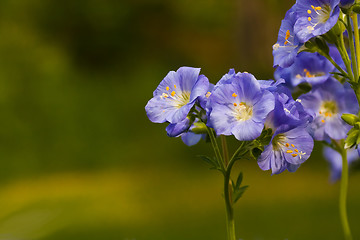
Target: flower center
[[320, 14], [181, 99], [328, 109], [280, 141], [309, 75], [243, 111]]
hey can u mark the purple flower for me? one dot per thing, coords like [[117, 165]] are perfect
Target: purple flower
[[308, 67], [183, 130], [335, 160], [315, 17], [287, 112], [287, 45], [240, 107], [287, 150], [326, 103], [176, 95]]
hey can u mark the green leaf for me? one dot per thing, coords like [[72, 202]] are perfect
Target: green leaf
[[211, 161], [239, 180], [238, 193]]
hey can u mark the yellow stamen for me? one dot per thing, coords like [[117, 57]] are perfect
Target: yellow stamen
[[235, 104], [305, 70], [323, 121], [317, 8], [173, 93], [174, 86], [313, 7], [320, 112], [287, 145], [208, 94], [289, 151], [287, 35], [234, 95], [296, 150], [309, 19], [309, 11], [286, 42], [292, 145], [167, 88], [294, 155], [165, 95]]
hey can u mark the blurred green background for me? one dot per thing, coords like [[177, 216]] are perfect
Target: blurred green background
[[80, 159]]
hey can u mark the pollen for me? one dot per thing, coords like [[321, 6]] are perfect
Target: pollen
[[235, 104], [292, 145], [173, 93], [294, 155], [313, 7], [167, 88], [323, 121], [296, 150], [208, 94], [234, 95], [287, 35], [289, 151], [174, 86], [309, 11], [287, 145], [309, 19]]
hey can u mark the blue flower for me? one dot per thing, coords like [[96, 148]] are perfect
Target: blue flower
[[240, 107], [287, 112], [287, 150], [315, 17], [335, 160], [176, 95], [326, 103], [308, 67], [183, 129], [287, 45]]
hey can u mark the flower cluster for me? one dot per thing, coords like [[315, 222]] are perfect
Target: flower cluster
[[309, 65], [238, 105]]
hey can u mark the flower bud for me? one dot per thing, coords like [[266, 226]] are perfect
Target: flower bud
[[199, 128], [350, 119]]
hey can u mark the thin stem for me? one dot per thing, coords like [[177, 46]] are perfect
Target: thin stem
[[225, 149], [230, 224], [354, 59], [342, 50], [357, 42], [335, 64], [343, 195], [216, 148]]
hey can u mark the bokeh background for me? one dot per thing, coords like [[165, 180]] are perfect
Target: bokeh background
[[80, 159]]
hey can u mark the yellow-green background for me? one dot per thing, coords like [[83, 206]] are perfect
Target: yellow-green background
[[79, 158]]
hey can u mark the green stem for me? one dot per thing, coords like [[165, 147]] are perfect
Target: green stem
[[357, 44], [354, 59], [335, 64], [225, 149], [230, 224], [343, 194], [342, 50], [216, 149]]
